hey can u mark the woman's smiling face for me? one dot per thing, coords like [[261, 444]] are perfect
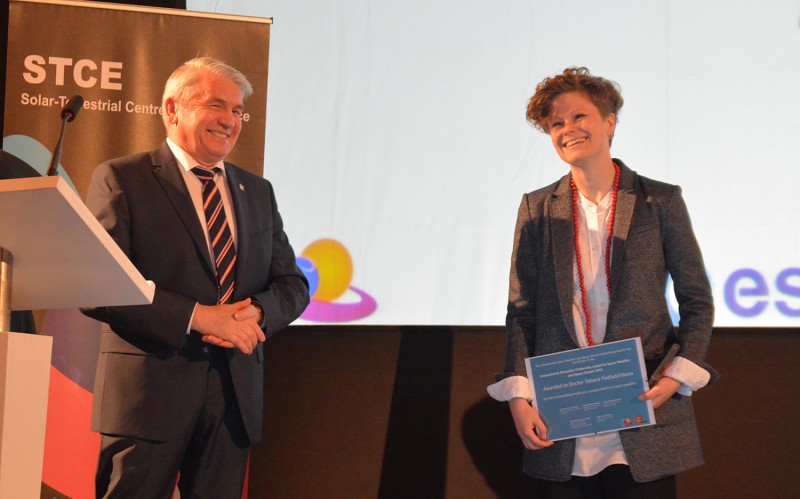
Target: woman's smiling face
[[580, 133]]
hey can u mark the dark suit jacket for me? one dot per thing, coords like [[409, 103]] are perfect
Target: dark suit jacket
[[149, 368], [652, 237]]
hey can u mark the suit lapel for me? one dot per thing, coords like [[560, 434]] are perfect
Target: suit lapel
[[167, 172], [236, 188], [563, 247]]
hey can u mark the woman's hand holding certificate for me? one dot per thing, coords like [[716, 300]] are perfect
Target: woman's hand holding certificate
[[530, 427]]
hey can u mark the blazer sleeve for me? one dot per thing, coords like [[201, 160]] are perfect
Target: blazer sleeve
[[523, 278], [684, 262]]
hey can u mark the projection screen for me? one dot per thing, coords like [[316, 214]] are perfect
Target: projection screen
[[397, 142]]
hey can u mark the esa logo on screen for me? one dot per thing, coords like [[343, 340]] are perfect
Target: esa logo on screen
[[749, 293]]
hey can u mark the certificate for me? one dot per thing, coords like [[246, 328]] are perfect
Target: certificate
[[591, 390]]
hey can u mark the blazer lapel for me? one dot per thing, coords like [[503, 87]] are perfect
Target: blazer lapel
[[563, 247], [626, 201], [167, 172]]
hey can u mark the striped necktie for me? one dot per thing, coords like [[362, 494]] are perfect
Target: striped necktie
[[219, 232]]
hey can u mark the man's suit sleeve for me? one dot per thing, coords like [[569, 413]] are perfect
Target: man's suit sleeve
[[287, 293], [167, 319]]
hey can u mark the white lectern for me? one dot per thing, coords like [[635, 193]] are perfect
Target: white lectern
[[53, 254]]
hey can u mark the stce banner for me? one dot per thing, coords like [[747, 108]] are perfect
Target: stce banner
[[117, 58]]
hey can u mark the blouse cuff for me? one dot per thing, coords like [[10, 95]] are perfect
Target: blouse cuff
[[510, 388], [691, 376]]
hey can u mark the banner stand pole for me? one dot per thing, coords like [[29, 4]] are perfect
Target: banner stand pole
[[6, 263]]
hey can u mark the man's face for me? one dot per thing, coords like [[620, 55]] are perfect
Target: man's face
[[207, 125]]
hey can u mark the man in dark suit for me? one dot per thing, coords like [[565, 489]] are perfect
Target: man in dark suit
[[179, 382], [13, 167]]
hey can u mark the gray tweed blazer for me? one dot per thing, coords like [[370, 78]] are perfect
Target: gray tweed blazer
[[652, 237]]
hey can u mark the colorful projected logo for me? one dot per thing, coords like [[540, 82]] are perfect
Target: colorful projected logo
[[328, 267]]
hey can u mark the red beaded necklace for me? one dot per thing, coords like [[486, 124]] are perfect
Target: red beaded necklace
[[614, 193]]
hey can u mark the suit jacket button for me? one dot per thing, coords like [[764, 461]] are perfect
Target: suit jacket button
[[205, 350]]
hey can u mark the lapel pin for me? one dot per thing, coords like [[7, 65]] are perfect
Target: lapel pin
[[241, 187]]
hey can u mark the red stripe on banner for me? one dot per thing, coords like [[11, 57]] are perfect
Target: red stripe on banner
[[246, 488], [70, 448]]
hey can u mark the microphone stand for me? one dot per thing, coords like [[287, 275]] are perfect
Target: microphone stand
[[51, 171], [67, 114]]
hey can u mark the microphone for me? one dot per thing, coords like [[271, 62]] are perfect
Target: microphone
[[68, 114], [70, 111]]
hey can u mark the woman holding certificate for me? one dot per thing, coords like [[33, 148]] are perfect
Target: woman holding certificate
[[592, 254]]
